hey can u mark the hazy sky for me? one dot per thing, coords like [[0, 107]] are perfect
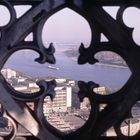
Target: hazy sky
[[67, 26]]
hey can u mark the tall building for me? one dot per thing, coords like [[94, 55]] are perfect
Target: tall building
[[61, 102]]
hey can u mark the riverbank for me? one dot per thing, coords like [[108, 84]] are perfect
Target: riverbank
[[111, 65], [105, 64]]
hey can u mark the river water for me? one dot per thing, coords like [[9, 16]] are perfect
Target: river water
[[113, 77]]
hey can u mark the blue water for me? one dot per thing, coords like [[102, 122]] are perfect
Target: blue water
[[112, 77]]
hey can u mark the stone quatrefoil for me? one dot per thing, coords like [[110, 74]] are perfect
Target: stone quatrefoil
[[120, 41]]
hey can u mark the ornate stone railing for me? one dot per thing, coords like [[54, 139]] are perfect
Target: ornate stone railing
[[119, 104]]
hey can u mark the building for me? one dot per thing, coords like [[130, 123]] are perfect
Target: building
[[8, 73], [61, 102]]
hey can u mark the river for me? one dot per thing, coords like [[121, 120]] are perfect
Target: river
[[113, 77]]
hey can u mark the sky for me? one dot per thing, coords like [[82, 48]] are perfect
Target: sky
[[66, 26]]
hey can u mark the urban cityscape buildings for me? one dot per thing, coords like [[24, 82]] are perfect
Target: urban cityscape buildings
[[65, 112]]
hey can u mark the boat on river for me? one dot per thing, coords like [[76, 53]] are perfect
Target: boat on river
[[53, 67]]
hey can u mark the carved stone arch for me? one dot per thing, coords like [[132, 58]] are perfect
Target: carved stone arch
[[120, 41]]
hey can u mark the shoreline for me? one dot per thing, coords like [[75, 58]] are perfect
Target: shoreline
[[111, 65], [105, 64]]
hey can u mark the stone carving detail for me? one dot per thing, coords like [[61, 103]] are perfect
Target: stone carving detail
[[120, 41]]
